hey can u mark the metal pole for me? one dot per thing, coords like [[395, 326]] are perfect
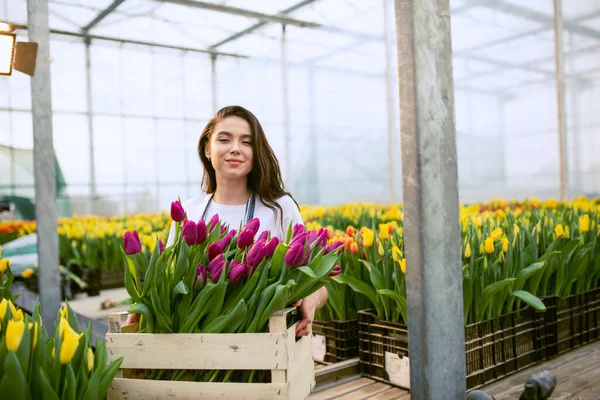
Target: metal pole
[[430, 183], [155, 131], [185, 127], [389, 97], [88, 81], [560, 97], [213, 71], [314, 191], [124, 133], [575, 129], [286, 110], [46, 212]]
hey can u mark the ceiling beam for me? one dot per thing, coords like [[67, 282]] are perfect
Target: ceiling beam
[[243, 12], [261, 24], [103, 14]]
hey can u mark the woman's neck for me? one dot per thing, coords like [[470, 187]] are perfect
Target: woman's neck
[[232, 192]]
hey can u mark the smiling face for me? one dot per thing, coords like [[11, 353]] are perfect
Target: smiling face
[[230, 149]]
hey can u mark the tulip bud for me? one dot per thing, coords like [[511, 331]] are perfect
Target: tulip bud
[[294, 257], [297, 229], [14, 334], [161, 246], [213, 222], [177, 212], [256, 253], [335, 271], [271, 246], [246, 239], [214, 250], [223, 229], [264, 236], [301, 238], [312, 236], [190, 232], [216, 270], [333, 246], [201, 227], [200, 279], [225, 241], [322, 237], [248, 269], [218, 259], [131, 243], [253, 225], [237, 271]]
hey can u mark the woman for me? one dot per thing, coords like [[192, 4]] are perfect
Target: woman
[[242, 180]]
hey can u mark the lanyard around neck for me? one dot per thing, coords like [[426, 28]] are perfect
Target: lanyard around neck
[[249, 213]]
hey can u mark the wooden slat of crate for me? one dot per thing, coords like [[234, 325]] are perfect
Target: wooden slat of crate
[[264, 351], [142, 389]]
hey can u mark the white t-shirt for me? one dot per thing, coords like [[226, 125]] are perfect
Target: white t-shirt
[[234, 215]]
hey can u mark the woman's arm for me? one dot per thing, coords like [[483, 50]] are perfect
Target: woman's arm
[[308, 306]]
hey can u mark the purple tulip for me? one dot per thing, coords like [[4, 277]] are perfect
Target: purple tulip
[[213, 262], [271, 246], [190, 232], [131, 243], [201, 226], [253, 225], [215, 272], [214, 250], [246, 239], [322, 237], [161, 246], [225, 241], [335, 271], [264, 236], [333, 246], [200, 276], [294, 257], [223, 229], [297, 229], [213, 222], [237, 271], [256, 253], [301, 238], [249, 269], [312, 236], [232, 232], [177, 212]]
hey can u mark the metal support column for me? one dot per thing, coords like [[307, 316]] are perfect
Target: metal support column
[[560, 98], [431, 216], [46, 212], [389, 97], [314, 191], [286, 111], [575, 87], [90, 115], [213, 81]]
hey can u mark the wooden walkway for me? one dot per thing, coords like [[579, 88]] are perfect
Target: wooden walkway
[[578, 374]]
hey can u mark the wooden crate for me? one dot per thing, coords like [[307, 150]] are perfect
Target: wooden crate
[[290, 361]]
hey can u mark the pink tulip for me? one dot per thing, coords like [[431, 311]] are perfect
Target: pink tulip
[[335, 271], [295, 256], [256, 253], [214, 250], [271, 246], [200, 276], [215, 272], [177, 212], [253, 225], [237, 271], [213, 222], [333, 246], [131, 243], [161, 246], [264, 236], [297, 229], [201, 226], [246, 239], [190, 232]]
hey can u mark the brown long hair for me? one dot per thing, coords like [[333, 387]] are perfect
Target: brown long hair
[[264, 180]]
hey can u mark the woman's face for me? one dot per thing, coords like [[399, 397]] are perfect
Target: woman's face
[[230, 148]]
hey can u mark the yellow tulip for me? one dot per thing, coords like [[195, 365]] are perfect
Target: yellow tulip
[[403, 265], [516, 229], [18, 316], [468, 250], [481, 249], [3, 308], [70, 342], [504, 242], [13, 309], [584, 223], [567, 231], [64, 312], [559, 231], [4, 264], [496, 234], [28, 273], [489, 245], [380, 249], [368, 236], [90, 359], [14, 334], [396, 253], [384, 231]]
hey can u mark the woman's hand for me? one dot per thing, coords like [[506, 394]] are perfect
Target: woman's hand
[[308, 306]]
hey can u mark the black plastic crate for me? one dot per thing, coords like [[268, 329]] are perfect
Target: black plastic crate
[[572, 321], [341, 339], [493, 349]]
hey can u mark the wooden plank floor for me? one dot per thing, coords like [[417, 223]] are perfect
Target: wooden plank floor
[[577, 372]]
